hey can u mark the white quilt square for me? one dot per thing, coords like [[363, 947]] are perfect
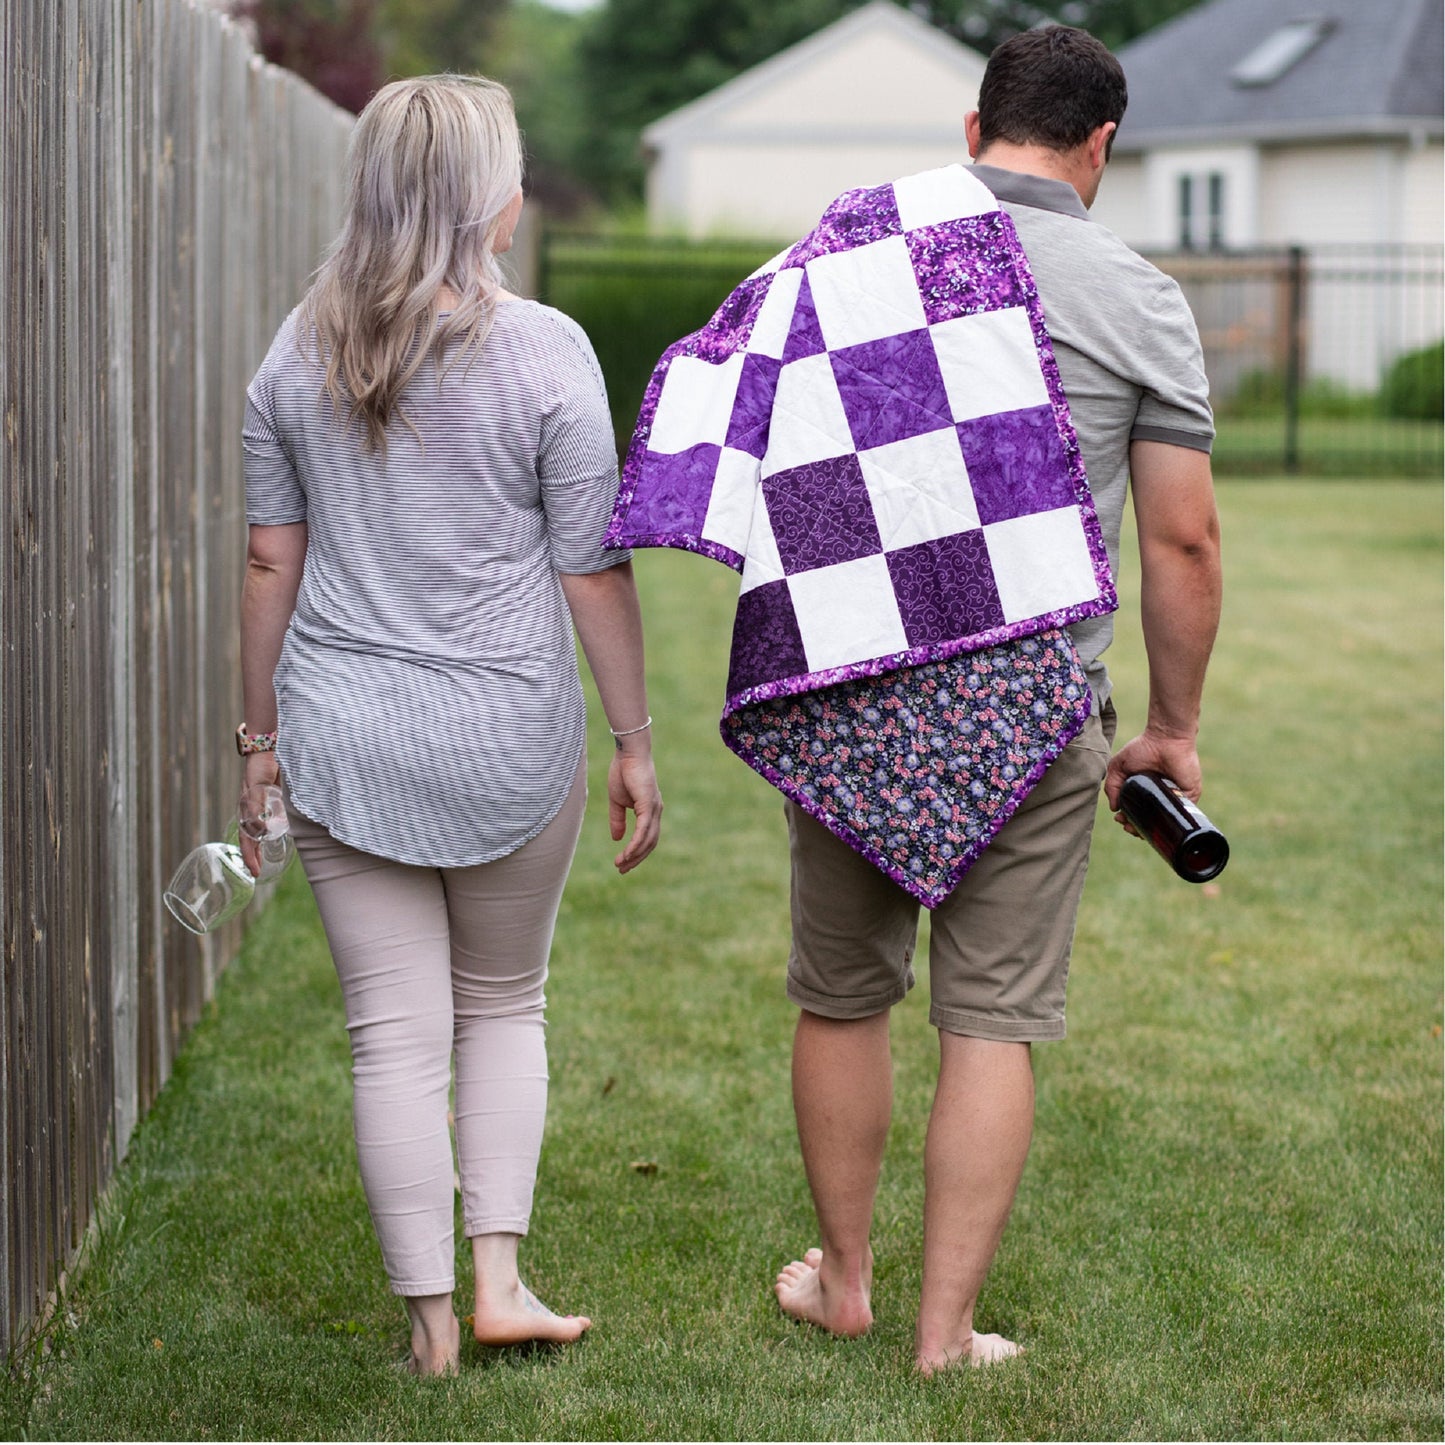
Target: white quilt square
[[866, 293], [847, 612], [763, 562], [1041, 563], [919, 488], [769, 336], [946, 194], [989, 363], [696, 403], [771, 264], [808, 423], [730, 507]]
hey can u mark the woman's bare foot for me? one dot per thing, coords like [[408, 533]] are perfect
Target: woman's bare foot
[[980, 1350], [436, 1337], [838, 1306], [516, 1316]]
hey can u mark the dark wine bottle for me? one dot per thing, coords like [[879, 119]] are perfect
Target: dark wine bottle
[[1191, 845]]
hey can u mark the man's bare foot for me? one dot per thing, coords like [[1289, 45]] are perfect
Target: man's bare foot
[[839, 1308], [980, 1350], [516, 1317]]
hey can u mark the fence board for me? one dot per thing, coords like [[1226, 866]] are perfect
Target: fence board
[[164, 196]]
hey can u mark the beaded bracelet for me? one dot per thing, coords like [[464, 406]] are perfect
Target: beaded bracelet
[[248, 743], [628, 732]]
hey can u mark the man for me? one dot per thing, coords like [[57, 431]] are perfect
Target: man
[[1129, 357]]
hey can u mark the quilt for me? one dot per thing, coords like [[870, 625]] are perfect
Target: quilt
[[872, 431]]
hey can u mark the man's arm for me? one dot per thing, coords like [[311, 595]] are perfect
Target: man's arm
[[1180, 592]]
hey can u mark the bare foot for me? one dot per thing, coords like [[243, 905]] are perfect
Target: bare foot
[[517, 1316], [432, 1355], [981, 1350], [838, 1308]]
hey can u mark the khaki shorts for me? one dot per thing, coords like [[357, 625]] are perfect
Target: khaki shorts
[[998, 955]]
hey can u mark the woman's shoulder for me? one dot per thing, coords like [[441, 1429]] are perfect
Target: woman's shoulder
[[551, 340]]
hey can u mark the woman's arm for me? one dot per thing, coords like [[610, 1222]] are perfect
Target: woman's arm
[[275, 558], [608, 619]]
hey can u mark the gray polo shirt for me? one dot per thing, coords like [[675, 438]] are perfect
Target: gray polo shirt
[[1127, 348], [428, 697]]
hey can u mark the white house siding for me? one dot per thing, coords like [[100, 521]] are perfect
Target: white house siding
[[879, 94], [1329, 194], [1423, 193], [1122, 204], [779, 191]]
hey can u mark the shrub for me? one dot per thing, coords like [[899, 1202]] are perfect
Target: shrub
[[1414, 386], [634, 299], [1261, 394]]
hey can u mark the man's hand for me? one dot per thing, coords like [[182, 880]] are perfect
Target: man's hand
[[632, 783], [1150, 752]]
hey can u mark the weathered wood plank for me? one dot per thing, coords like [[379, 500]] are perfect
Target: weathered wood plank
[[164, 197]]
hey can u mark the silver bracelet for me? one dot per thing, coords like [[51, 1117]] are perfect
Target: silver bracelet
[[628, 732]]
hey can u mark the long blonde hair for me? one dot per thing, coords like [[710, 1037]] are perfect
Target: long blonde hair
[[433, 163]]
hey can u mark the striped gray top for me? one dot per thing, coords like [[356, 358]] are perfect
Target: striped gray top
[[429, 703]]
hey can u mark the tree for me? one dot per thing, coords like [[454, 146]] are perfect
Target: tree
[[348, 49], [330, 43], [985, 23], [643, 58], [424, 37]]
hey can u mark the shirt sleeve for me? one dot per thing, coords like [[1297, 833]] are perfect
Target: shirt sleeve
[[274, 494], [577, 459], [1175, 405]]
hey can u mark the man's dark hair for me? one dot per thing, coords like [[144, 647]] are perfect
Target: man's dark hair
[[1053, 87]]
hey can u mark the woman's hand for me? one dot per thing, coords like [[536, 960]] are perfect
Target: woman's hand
[[256, 768], [632, 783]]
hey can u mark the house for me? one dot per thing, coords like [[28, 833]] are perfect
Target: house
[[1314, 124], [1281, 122], [877, 94]]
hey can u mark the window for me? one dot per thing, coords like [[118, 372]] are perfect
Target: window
[[1280, 51], [1201, 211]]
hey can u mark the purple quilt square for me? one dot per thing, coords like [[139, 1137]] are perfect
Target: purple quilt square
[[672, 492], [753, 405], [891, 389], [821, 514], [805, 336], [856, 218], [1016, 464], [945, 589], [767, 644], [966, 266], [733, 320]]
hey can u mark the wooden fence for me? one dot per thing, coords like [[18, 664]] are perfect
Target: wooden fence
[[164, 196]]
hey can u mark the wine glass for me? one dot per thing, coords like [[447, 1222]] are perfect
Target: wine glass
[[213, 883], [210, 888]]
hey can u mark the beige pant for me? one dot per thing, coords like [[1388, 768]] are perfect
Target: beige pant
[[437, 964], [998, 953]]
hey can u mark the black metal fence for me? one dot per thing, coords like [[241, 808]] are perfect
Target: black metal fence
[[1322, 361]]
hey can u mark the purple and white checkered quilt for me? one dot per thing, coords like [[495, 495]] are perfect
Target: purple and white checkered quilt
[[873, 431]]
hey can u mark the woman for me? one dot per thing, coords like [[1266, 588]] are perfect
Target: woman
[[429, 471]]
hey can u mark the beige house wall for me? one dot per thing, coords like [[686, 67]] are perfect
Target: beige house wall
[[780, 190], [764, 155]]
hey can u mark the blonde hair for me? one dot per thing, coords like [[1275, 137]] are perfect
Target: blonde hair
[[433, 163]]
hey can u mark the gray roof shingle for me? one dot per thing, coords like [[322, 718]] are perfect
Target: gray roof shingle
[[1378, 71]]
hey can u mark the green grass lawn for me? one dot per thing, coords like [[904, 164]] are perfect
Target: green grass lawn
[[1230, 1225]]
